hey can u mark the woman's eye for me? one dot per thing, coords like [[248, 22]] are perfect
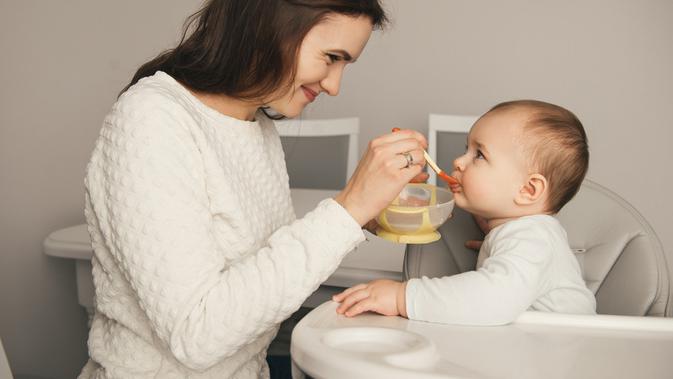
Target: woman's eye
[[333, 57]]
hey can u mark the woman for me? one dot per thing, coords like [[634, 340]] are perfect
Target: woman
[[198, 255]]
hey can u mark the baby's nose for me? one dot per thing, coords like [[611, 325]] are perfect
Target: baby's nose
[[458, 164]]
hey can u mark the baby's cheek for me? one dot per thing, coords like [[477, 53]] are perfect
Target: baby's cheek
[[460, 199], [482, 194], [474, 188]]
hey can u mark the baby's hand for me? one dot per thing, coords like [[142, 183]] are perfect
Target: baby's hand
[[383, 296]]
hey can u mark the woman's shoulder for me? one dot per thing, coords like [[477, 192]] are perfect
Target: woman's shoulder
[[153, 106], [152, 95], [148, 123]]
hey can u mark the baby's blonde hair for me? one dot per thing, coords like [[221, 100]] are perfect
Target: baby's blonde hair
[[557, 146]]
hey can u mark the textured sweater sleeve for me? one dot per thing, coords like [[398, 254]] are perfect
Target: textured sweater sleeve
[[150, 203], [505, 285]]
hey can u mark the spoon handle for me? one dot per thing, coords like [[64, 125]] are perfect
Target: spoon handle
[[431, 163]]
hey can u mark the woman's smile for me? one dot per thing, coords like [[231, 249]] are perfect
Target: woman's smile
[[310, 94]]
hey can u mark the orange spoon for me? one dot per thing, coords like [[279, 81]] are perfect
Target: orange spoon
[[447, 178]]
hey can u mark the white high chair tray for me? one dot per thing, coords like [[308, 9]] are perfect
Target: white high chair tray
[[537, 345]]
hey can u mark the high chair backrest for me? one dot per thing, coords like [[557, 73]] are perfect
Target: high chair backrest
[[449, 132], [320, 153], [622, 259]]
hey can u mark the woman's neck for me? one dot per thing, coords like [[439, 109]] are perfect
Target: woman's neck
[[229, 106]]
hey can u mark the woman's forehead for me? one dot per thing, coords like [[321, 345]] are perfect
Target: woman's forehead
[[342, 32]]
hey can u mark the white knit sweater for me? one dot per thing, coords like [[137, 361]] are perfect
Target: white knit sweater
[[197, 253]]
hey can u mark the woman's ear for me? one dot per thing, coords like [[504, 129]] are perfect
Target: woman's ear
[[533, 191]]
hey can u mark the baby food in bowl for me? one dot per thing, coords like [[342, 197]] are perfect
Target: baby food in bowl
[[416, 213]]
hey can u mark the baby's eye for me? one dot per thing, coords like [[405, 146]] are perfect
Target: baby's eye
[[479, 155]]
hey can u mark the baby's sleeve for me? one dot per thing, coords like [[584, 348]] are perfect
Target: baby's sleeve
[[507, 284]]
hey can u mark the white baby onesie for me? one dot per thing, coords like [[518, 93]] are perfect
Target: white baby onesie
[[524, 264]]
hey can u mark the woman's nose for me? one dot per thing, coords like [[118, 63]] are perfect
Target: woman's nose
[[332, 81]]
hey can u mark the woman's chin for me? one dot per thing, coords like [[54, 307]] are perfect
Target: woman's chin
[[289, 112]]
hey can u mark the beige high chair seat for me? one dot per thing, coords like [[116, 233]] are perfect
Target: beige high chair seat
[[622, 259]]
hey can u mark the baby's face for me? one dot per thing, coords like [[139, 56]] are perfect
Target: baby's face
[[493, 168]]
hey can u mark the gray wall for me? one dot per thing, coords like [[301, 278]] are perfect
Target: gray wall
[[64, 62]]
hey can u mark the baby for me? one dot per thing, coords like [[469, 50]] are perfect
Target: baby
[[524, 161]]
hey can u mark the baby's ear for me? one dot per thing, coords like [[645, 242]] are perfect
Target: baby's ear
[[533, 191]]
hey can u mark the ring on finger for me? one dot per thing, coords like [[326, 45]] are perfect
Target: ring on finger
[[409, 158]]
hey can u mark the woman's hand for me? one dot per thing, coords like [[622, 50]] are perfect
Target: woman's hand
[[383, 296], [382, 173], [371, 226]]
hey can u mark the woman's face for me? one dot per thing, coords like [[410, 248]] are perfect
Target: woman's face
[[324, 53]]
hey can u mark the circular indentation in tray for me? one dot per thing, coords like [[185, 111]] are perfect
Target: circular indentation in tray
[[373, 340]]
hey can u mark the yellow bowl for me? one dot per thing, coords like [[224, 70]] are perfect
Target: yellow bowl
[[416, 213]]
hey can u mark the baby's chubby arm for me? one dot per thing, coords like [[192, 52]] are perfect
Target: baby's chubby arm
[[509, 281], [506, 285], [387, 297]]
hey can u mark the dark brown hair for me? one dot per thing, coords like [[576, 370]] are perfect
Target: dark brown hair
[[247, 48], [558, 148]]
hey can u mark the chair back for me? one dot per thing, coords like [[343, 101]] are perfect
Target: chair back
[[449, 132], [321, 154]]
